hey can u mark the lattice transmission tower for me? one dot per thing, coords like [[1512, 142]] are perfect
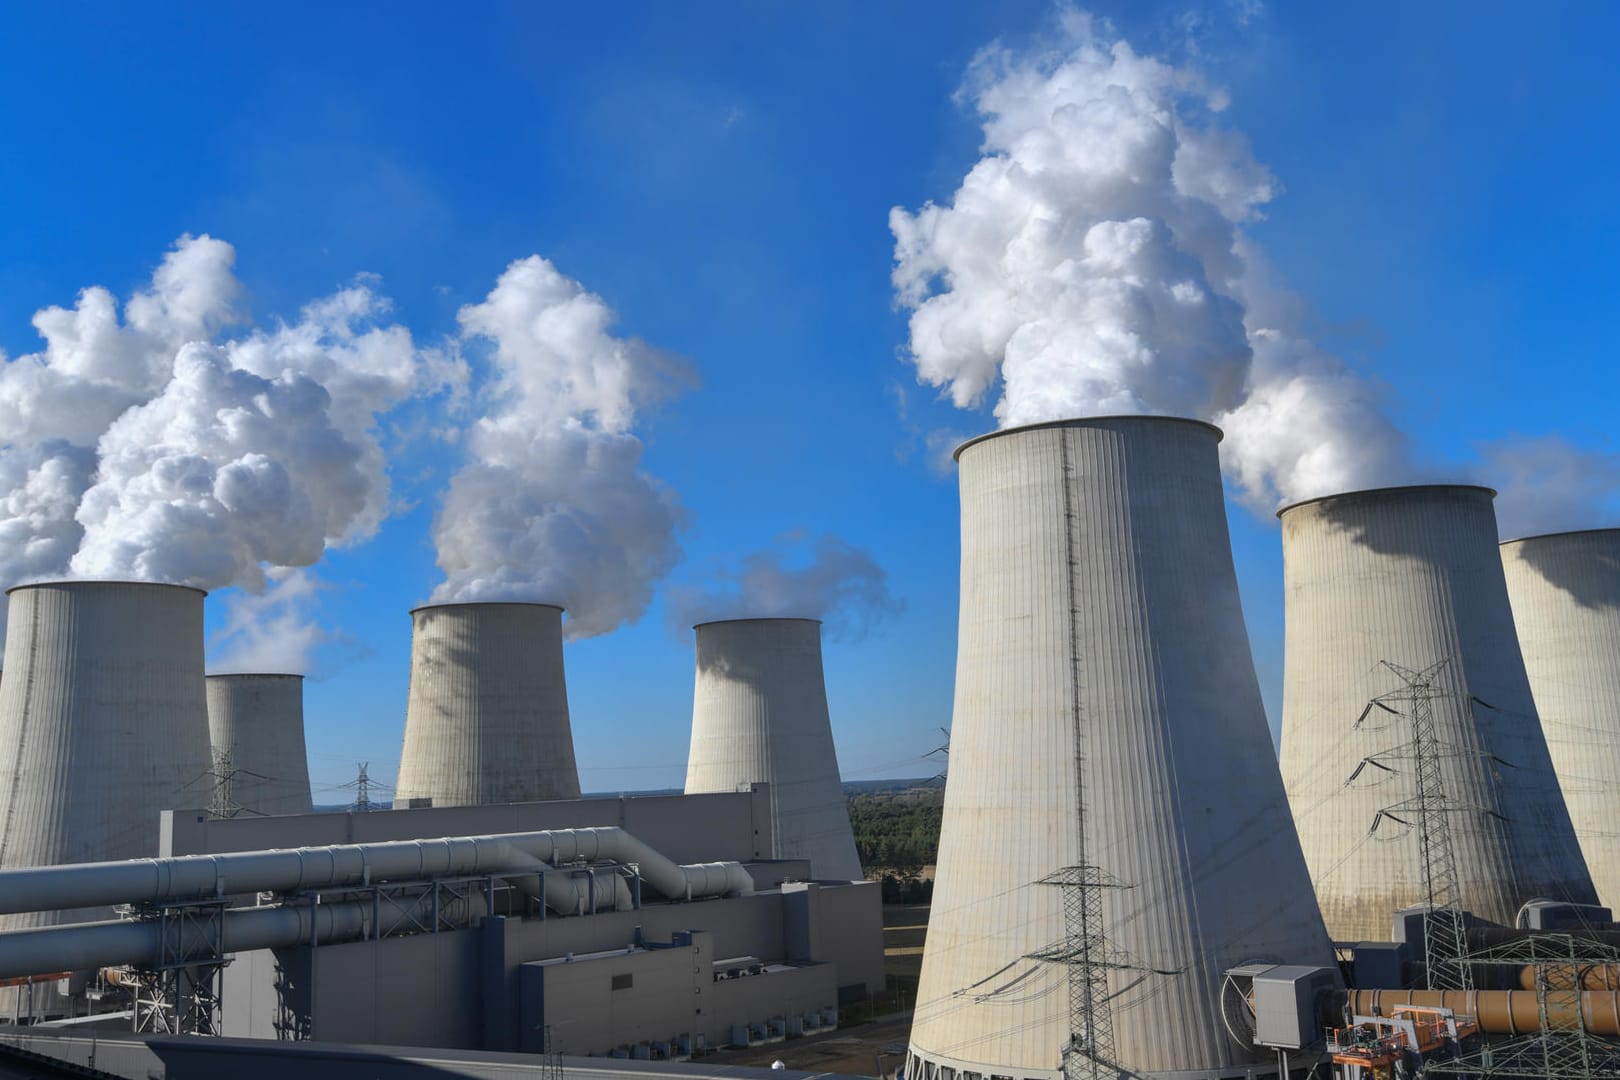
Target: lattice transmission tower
[[1086, 953], [1426, 811]]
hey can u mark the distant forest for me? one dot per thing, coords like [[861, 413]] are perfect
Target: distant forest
[[896, 836]]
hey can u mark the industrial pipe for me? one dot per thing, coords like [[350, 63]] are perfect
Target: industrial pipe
[[196, 877], [151, 942], [1508, 1012], [1562, 977], [1491, 937]]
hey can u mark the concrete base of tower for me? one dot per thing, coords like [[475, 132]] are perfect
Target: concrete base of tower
[[928, 1066]]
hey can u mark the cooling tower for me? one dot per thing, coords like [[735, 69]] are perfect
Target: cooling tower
[[1565, 590], [759, 715], [258, 720], [1411, 576], [1107, 714], [103, 721], [487, 717]]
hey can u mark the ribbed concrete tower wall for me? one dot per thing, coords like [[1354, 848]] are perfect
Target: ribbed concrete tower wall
[[487, 717], [759, 715], [1103, 667], [103, 722], [1412, 576], [259, 721], [1565, 591]]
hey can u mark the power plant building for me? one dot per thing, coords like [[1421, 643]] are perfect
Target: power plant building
[[1411, 577], [103, 722], [486, 721], [256, 725], [1108, 728], [759, 715], [1565, 591]]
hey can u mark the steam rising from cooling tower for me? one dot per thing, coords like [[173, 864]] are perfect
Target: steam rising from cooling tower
[[759, 715], [159, 448], [1411, 576], [831, 581], [103, 721], [1107, 714], [552, 505], [1565, 591], [1093, 260], [256, 727], [487, 717]]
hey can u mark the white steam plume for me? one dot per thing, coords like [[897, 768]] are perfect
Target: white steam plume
[[1092, 261], [276, 631], [828, 579], [165, 447], [552, 505], [1546, 485]]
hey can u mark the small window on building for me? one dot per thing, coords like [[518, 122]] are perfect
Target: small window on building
[[622, 982]]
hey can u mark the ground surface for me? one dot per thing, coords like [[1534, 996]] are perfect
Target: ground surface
[[861, 1046]]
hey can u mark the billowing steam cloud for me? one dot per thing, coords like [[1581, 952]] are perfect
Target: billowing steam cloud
[[826, 579], [157, 448], [553, 505], [1092, 262]]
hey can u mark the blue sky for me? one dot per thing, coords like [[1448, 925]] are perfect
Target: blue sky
[[722, 175]]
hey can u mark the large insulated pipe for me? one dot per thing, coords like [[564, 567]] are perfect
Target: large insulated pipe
[[1565, 590], [1591, 976], [1503, 1012], [1411, 577], [152, 941], [103, 722], [759, 715], [486, 721], [258, 720], [1108, 727], [196, 877]]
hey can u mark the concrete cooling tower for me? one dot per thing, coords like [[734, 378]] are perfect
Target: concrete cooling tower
[[258, 720], [759, 714], [487, 717], [1565, 590], [1411, 576], [103, 721], [1107, 715]]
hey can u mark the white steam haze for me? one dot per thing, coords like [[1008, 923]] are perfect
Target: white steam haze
[[795, 578], [1546, 485], [276, 631], [552, 505], [177, 444]]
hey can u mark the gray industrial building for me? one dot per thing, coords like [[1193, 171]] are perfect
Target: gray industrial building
[[643, 927]]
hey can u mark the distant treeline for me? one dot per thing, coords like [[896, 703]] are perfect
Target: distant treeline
[[897, 831]]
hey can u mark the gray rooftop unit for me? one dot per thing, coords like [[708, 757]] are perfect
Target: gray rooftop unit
[[1565, 590], [258, 720], [1411, 576], [487, 717], [103, 723], [759, 715], [1103, 669]]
